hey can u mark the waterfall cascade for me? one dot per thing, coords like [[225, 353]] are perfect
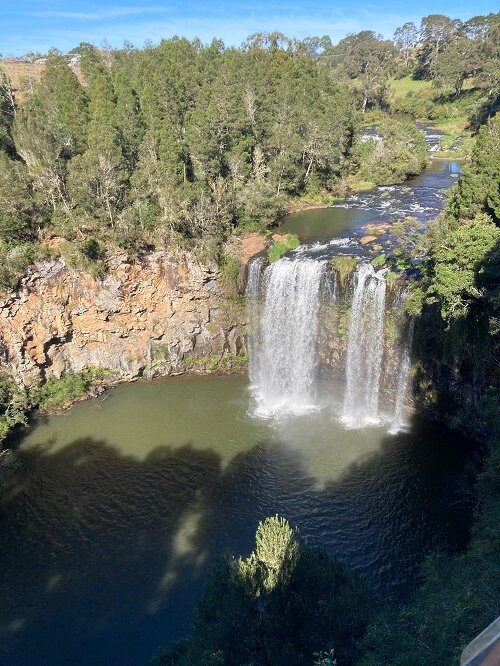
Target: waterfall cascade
[[365, 347], [284, 302], [398, 423], [253, 312], [283, 361]]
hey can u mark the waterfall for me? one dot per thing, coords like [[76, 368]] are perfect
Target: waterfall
[[283, 360], [365, 348], [398, 422], [253, 308]]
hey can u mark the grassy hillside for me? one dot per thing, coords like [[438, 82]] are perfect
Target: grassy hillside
[[447, 113], [21, 74]]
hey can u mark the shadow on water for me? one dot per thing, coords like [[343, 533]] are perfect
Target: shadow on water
[[103, 555]]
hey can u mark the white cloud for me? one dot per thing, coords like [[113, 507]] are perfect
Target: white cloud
[[100, 14]]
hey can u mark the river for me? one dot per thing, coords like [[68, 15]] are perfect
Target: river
[[118, 507]]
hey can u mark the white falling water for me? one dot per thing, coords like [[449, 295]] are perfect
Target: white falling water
[[365, 347], [253, 310], [399, 423], [283, 360]]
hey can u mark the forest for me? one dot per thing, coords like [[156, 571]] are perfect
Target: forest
[[185, 145]]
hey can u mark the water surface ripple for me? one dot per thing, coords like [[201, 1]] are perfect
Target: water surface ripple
[[119, 507]]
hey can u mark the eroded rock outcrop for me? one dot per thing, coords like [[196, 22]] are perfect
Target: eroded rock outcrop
[[158, 317]]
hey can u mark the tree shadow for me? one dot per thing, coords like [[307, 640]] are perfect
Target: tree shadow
[[86, 536], [458, 361], [104, 555]]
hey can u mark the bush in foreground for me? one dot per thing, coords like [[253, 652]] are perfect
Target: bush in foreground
[[279, 606]]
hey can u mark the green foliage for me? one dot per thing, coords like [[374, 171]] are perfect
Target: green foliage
[[206, 363], [374, 231], [58, 392], [179, 143], [401, 153], [227, 362], [230, 275], [379, 260], [345, 266], [477, 190], [458, 264], [326, 658], [279, 248], [19, 214], [160, 352], [13, 405], [60, 88], [15, 261], [408, 233], [275, 606], [234, 362], [365, 58], [391, 279], [409, 244], [93, 249], [260, 206], [275, 556], [88, 256], [359, 185], [7, 112], [17, 402], [451, 67]]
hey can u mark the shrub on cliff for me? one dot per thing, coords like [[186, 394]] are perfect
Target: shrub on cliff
[[13, 405], [57, 392], [281, 247], [344, 265]]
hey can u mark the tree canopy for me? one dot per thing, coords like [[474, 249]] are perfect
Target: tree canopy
[[277, 606]]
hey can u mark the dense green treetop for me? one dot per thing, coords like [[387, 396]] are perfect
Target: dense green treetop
[[184, 142], [177, 141], [280, 606]]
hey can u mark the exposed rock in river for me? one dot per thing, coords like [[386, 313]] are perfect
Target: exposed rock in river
[[158, 317], [367, 239]]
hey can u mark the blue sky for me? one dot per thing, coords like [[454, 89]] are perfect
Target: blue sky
[[39, 24]]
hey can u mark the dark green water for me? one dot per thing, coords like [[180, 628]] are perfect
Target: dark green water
[[119, 506], [321, 223]]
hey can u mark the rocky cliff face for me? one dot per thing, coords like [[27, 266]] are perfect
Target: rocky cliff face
[[162, 316]]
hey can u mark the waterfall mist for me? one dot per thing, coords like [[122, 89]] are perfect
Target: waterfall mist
[[283, 359]]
